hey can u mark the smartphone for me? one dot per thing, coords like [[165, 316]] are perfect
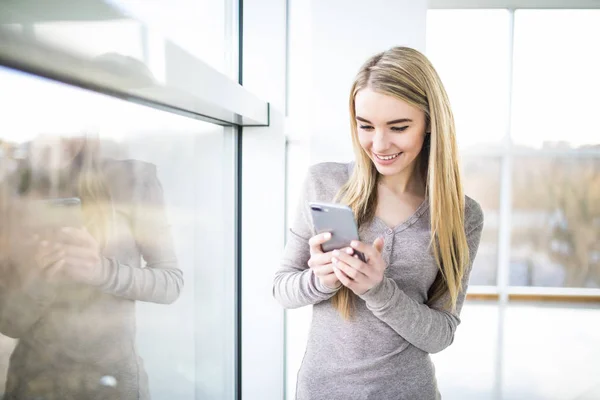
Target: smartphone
[[57, 213], [337, 219]]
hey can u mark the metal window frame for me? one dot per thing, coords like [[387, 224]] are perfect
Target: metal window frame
[[238, 217], [191, 88]]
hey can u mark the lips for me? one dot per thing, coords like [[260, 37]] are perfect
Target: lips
[[387, 157]]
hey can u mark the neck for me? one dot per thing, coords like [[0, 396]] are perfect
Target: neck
[[409, 181]]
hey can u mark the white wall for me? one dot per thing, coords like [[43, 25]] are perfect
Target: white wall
[[329, 41], [263, 196]]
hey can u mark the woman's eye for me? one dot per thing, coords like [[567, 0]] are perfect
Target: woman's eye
[[399, 128], [366, 127]]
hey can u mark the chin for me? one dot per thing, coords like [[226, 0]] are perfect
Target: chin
[[389, 170]]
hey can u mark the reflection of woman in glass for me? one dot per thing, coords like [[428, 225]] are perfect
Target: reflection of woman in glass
[[69, 295], [375, 323]]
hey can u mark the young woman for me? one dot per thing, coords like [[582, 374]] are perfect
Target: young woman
[[375, 323], [68, 289]]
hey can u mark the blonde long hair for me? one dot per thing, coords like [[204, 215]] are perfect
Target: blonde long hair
[[406, 74], [96, 200]]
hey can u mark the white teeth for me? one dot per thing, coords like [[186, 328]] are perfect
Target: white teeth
[[387, 158]]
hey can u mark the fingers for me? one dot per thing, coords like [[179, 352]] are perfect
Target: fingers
[[348, 258], [378, 244], [48, 254], [49, 259], [45, 248], [323, 270], [319, 259], [315, 242], [368, 250], [331, 281], [349, 271], [53, 270], [343, 278]]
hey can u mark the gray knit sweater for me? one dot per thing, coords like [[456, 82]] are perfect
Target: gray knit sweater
[[382, 353]]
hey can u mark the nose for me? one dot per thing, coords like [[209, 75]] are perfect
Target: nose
[[381, 141]]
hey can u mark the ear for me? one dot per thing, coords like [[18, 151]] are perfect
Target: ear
[[427, 125]]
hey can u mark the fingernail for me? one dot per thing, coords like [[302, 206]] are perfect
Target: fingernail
[[334, 260], [327, 235], [349, 251], [354, 243], [336, 252]]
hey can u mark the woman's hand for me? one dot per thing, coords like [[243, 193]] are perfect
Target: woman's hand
[[47, 260], [320, 262], [79, 257], [356, 275]]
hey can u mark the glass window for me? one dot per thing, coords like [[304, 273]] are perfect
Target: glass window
[[469, 49], [551, 351], [141, 300], [207, 30], [118, 36], [12, 27], [556, 222], [203, 28], [556, 79], [481, 177]]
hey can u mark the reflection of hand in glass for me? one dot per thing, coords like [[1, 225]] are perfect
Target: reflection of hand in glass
[[77, 257], [47, 258]]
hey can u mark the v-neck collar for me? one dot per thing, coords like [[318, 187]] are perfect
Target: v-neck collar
[[424, 206]]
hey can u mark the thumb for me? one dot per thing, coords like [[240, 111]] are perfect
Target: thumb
[[378, 244]]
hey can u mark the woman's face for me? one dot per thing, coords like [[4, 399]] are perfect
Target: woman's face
[[390, 131], [50, 152]]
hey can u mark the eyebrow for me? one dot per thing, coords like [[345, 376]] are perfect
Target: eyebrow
[[396, 121]]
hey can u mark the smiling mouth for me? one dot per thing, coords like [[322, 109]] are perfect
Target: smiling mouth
[[388, 157]]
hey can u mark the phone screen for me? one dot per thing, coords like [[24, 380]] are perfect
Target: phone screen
[[50, 214]]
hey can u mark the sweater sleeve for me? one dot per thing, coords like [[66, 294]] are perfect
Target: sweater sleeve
[[161, 281], [295, 284], [429, 328]]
